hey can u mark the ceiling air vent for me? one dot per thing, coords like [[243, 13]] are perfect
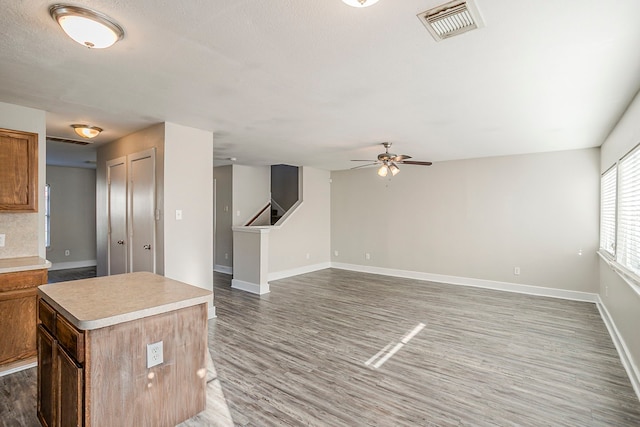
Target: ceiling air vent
[[451, 19], [67, 141]]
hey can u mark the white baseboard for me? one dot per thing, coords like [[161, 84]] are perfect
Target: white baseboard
[[223, 269], [621, 346], [73, 264], [477, 283], [254, 288], [212, 312], [277, 275], [21, 365]]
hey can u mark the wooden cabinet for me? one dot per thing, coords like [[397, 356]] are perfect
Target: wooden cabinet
[[60, 373], [19, 171], [47, 351], [18, 314], [100, 378]]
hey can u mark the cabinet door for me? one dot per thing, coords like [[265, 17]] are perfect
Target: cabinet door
[[47, 350], [19, 171], [69, 390]]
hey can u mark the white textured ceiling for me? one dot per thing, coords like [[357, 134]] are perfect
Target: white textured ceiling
[[318, 83]]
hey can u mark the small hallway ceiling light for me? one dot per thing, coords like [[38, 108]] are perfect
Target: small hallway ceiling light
[[87, 27], [360, 3], [87, 131]]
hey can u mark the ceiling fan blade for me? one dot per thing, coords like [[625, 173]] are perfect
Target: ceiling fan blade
[[400, 158], [364, 166], [413, 162], [362, 160]]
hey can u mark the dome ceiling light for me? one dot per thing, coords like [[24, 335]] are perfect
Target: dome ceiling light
[[87, 131], [87, 27], [360, 3]]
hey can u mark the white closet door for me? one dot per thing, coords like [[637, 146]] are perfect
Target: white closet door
[[142, 206], [117, 216]]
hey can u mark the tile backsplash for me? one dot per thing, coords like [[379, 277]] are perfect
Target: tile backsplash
[[21, 234]]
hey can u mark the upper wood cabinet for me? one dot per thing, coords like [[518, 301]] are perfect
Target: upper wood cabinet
[[19, 171]]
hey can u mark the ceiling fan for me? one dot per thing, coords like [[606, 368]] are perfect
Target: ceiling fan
[[389, 161]]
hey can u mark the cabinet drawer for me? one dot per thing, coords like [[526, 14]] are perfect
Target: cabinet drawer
[[47, 316], [22, 280], [70, 338]]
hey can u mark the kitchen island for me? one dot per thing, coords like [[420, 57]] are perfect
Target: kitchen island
[[126, 350]]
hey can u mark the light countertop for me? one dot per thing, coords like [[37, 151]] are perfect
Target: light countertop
[[12, 265], [104, 301]]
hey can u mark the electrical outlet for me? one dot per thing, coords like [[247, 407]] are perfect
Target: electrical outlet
[[154, 354], [308, 256], [335, 253], [516, 271], [67, 252], [367, 256], [2, 236]]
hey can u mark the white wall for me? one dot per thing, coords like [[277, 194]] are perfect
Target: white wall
[[188, 186], [306, 231], [476, 218], [251, 191], [621, 301], [224, 211], [73, 216], [24, 232], [151, 137]]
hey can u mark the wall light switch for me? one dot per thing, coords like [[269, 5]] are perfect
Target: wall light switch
[[2, 240], [178, 214]]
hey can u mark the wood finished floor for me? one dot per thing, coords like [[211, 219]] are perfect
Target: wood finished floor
[[298, 357]]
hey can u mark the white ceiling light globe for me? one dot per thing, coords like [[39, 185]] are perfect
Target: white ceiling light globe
[[87, 27], [360, 3]]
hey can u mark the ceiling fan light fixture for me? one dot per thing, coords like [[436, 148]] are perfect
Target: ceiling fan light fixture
[[394, 169], [383, 171], [87, 131], [360, 3], [87, 27]]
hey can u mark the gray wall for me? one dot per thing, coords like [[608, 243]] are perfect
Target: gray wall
[[24, 232], [619, 297], [476, 218], [224, 210], [251, 191], [188, 187], [73, 216], [307, 230], [151, 137]]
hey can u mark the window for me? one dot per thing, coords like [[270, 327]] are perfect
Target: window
[[628, 232], [608, 211], [47, 216]]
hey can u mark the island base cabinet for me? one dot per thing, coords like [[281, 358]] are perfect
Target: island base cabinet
[[100, 378]]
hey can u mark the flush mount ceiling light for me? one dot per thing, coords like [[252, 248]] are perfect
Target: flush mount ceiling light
[[87, 131], [360, 3], [87, 27]]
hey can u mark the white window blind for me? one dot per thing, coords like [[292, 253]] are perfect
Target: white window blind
[[628, 242], [608, 211]]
